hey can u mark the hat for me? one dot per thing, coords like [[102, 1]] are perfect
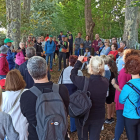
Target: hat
[[8, 40], [51, 36], [4, 49], [63, 35]]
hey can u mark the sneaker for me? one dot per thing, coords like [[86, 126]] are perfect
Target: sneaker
[[51, 70], [109, 121]]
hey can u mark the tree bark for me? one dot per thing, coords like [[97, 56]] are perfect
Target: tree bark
[[131, 25], [13, 13], [88, 19]]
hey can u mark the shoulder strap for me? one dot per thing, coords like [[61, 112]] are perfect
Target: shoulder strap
[[86, 84], [35, 91], [61, 77], [55, 88]]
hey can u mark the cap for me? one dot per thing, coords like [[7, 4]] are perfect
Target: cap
[[51, 36], [4, 49], [7, 40], [63, 35]]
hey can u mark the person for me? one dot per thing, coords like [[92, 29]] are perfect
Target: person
[[101, 46], [87, 43], [43, 42], [65, 80], [28, 99], [56, 50], [120, 62], [69, 34], [20, 57], [29, 42], [106, 49], [30, 52], [4, 66], [130, 98], [114, 51], [67, 53], [81, 50], [77, 43], [34, 39], [60, 36], [98, 86], [38, 47], [62, 52], [95, 47], [49, 51], [10, 54], [47, 37], [123, 45], [87, 55], [14, 87], [6, 125], [114, 41], [70, 40]]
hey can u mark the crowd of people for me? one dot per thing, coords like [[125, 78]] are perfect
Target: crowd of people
[[34, 108]]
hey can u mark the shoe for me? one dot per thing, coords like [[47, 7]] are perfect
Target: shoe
[[109, 121], [51, 70]]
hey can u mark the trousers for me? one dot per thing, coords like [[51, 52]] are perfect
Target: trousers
[[62, 55]]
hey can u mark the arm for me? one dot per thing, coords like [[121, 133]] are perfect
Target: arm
[[76, 42], [45, 49], [113, 82], [107, 51]]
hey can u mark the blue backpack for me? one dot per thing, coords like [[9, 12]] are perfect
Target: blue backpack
[[137, 91]]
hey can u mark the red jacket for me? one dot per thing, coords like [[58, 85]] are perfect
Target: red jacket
[[4, 66], [115, 53]]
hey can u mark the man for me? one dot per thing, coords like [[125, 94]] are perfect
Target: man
[[29, 42], [95, 47], [60, 36], [78, 41], [47, 37], [38, 47], [30, 52], [37, 68], [114, 41], [69, 34], [49, 51], [70, 40], [123, 44]]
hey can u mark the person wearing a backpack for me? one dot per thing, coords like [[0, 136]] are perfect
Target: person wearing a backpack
[[40, 102], [97, 89], [130, 97], [4, 66]]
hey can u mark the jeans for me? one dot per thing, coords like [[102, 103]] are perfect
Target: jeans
[[119, 124], [71, 51], [84, 65], [2, 76], [92, 126], [76, 52], [62, 55], [51, 55], [132, 128], [72, 124]]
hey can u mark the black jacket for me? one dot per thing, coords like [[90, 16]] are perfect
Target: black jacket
[[38, 47], [98, 87]]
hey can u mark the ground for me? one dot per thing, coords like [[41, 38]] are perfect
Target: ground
[[109, 130]]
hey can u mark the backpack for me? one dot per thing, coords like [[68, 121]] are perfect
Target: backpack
[[80, 104], [50, 114], [137, 91]]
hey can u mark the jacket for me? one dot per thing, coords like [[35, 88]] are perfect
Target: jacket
[[127, 92], [87, 44], [4, 66], [98, 87], [38, 47], [123, 77], [70, 43], [81, 51], [7, 128], [18, 119], [78, 41], [20, 58], [50, 47]]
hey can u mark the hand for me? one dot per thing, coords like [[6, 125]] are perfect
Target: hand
[[13, 50], [90, 45], [113, 82], [93, 44], [26, 58], [42, 54], [97, 52], [18, 50], [81, 58]]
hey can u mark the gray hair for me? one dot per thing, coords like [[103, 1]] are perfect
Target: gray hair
[[37, 67], [30, 52], [21, 43]]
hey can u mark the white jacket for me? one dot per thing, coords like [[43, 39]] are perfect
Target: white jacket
[[19, 121]]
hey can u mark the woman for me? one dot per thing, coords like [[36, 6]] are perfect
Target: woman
[[87, 43], [114, 51], [65, 79], [98, 86], [38, 47], [106, 49], [14, 87], [56, 50], [6, 125], [34, 40], [43, 42], [130, 98]]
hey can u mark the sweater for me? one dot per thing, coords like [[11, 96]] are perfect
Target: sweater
[[123, 77], [87, 44], [38, 47], [98, 87], [49, 47], [105, 51], [28, 105], [114, 53], [120, 63], [127, 92], [4, 66], [6, 127], [20, 58], [78, 41]]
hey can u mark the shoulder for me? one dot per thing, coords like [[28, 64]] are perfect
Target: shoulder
[[4, 116]]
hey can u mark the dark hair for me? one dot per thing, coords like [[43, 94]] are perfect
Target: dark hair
[[87, 49], [115, 46], [115, 38], [47, 35], [81, 44], [88, 36], [124, 42], [61, 32], [79, 33], [132, 65], [72, 60], [120, 50]]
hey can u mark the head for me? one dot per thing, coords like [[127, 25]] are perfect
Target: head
[[21, 45], [100, 44], [114, 40], [105, 59], [79, 35], [87, 50], [42, 38], [63, 37], [120, 51], [70, 36], [87, 37], [97, 36], [107, 42], [34, 39], [61, 33], [8, 42], [122, 44], [30, 52], [96, 66], [37, 68], [29, 38], [81, 45], [66, 39], [111, 56], [54, 38], [47, 35], [0, 97], [4, 49], [14, 81], [114, 47], [39, 39], [50, 37], [72, 60]]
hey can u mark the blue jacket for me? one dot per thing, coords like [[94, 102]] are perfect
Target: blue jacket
[[49, 48], [81, 52], [129, 109]]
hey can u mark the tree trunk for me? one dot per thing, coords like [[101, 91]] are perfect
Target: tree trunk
[[88, 19], [13, 13], [131, 25]]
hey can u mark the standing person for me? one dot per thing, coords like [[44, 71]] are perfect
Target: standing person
[[70, 45], [47, 37], [123, 45], [114, 51], [4, 66], [77, 43], [98, 86], [87, 43], [67, 53], [69, 34], [10, 54], [28, 99], [49, 51], [14, 87], [95, 46], [130, 97], [29, 42], [43, 42], [34, 40], [114, 41], [38, 47], [56, 50], [60, 36], [62, 52]]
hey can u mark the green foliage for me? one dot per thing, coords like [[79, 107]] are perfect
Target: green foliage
[[2, 37], [2, 13]]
